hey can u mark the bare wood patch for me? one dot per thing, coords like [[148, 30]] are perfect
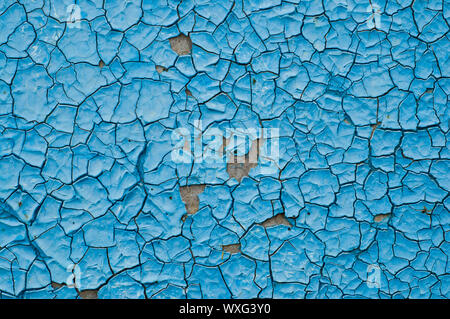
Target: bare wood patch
[[380, 217], [56, 285], [188, 92], [374, 127], [240, 166], [276, 220], [160, 69], [189, 195], [88, 294], [232, 248], [181, 44]]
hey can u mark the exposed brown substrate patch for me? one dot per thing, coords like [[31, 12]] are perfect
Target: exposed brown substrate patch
[[188, 93], [160, 69], [279, 219], [374, 127], [232, 248], [88, 294], [189, 195], [56, 285], [378, 218], [240, 166], [181, 44]]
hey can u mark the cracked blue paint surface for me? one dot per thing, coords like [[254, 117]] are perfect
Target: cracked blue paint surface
[[93, 205]]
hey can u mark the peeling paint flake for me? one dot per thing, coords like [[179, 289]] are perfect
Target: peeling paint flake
[[224, 149]]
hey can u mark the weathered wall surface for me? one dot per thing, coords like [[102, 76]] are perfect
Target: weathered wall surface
[[224, 149]]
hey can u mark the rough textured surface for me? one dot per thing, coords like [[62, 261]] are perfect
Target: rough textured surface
[[189, 195], [181, 44], [93, 204]]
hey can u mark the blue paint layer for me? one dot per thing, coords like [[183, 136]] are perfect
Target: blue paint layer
[[93, 204]]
